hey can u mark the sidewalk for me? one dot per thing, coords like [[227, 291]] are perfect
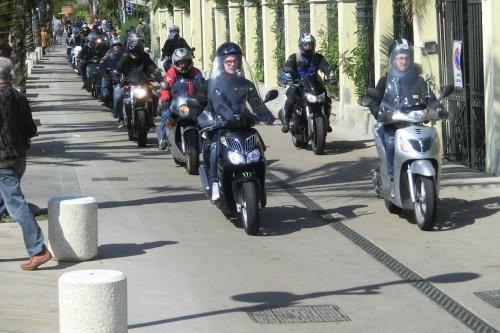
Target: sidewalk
[[74, 129]]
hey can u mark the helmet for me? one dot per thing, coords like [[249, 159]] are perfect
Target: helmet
[[173, 28], [307, 39], [182, 54], [226, 49], [116, 41], [135, 44], [92, 37], [399, 46]]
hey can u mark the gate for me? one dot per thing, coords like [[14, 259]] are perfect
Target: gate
[[464, 131]]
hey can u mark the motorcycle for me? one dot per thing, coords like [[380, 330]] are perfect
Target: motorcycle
[[94, 77], [240, 160], [308, 121], [417, 152], [183, 137], [138, 108]]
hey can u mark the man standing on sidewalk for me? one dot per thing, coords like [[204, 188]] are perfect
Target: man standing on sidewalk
[[16, 129]]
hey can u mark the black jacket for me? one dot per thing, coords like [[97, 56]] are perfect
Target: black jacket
[[16, 124]]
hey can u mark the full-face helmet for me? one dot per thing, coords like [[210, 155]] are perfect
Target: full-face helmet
[[182, 59], [135, 44], [307, 44]]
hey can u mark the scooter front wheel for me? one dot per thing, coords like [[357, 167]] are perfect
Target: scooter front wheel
[[250, 208], [424, 208], [193, 154]]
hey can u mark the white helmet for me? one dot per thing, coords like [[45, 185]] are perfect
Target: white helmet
[[182, 54]]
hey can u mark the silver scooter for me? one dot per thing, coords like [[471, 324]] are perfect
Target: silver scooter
[[417, 152]]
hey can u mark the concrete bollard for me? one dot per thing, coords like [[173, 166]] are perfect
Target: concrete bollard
[[72, 228], [93, 301]]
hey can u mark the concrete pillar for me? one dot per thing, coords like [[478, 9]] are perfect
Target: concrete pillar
[[207, 34], [319, 20], [196, 31], [347, 42], [93, 301], [250, 33], [221, 33], [292, 28], [233, 12], [72, 228], [382, 23], [269, 45], [491, 55]]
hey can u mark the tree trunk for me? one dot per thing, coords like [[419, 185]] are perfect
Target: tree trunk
[[5, 22], [17, 45]]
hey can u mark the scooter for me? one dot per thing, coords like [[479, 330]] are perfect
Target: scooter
[[417, 153], [309, 121], [183, 136]]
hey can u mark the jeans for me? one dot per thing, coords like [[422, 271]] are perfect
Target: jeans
[[18, 209], [213, 156], [118, 95], [389, 143], [162, 131]]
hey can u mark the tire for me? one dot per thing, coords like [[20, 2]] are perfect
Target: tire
[[424, 208], [193, 154], [249, 214], [142, 128], [319, 136]]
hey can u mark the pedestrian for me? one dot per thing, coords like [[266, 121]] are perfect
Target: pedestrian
[[16, 129], [44, 36]]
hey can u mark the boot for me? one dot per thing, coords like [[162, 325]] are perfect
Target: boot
[[284, 121]]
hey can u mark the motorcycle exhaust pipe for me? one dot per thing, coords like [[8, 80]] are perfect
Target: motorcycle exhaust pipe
[[204, 177]]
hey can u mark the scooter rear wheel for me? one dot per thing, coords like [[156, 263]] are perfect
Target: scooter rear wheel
[[424, 208]]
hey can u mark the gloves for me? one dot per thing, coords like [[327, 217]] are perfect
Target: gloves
[[264, 115]]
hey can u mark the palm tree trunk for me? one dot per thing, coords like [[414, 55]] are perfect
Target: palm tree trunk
[[18, 45]]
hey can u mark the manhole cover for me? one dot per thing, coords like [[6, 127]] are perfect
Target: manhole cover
[[299, 314], [110, 179], [492, 297]]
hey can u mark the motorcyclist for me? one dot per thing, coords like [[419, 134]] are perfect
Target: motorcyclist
[[299, 65], [133, 63], [182, 60], [173, 42], [93, 48], [402, 82], [107, 65], [229, 79]]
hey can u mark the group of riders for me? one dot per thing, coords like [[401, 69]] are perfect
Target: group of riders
[[119, 57]]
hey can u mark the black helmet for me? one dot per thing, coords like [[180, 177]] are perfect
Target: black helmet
[[182, 54], [399, 46], [307, 39], [135, 44], [228, 48]]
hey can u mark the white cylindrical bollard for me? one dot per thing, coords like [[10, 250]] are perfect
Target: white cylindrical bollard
[[93, 301], [72, 228]]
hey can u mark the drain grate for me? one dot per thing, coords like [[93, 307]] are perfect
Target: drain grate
[[491, 297], [299, 314], [110, 179]]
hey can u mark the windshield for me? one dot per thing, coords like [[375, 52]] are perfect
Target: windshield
[[229, 86], [410, 84]]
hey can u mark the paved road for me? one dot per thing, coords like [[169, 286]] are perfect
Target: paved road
[[327, 250]]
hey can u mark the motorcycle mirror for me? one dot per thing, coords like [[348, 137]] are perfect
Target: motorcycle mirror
[[270, 95], [373, 93], [194, 103], [163, 85], [446, 90]]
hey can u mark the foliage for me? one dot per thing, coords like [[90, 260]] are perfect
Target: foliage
[[170, 4], [240, 26], [329, 47], [278, 30], [356, 64]]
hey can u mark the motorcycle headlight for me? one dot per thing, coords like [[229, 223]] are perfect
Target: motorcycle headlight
[[315, 98], [253, 156], [139, 92], [418, 115], [184, 110], [236, 158]]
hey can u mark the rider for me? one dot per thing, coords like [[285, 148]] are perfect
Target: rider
[[107, 64], [134, 62], [402, 79], [230, 80], [183, 67], [299, 65], [173, 42]]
